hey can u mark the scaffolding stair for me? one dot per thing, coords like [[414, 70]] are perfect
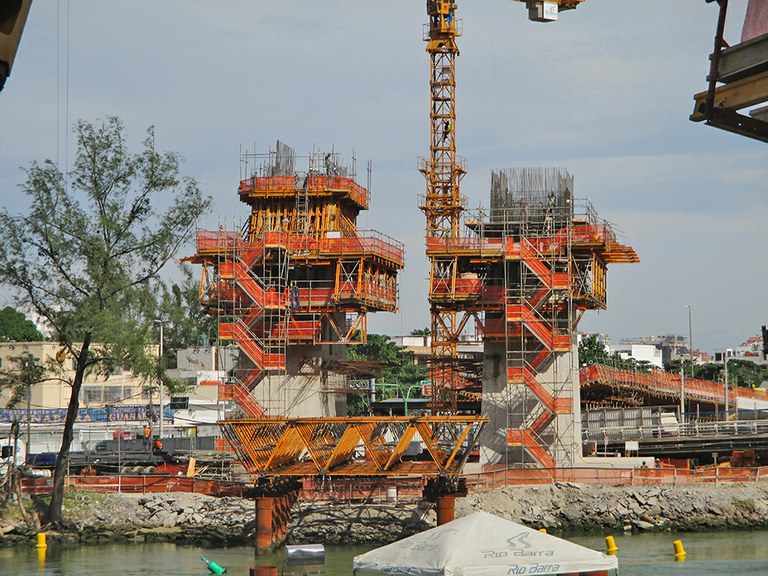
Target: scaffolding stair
[[528, 441], [526, 315], [241, 394], [241, 274], [526, 376]]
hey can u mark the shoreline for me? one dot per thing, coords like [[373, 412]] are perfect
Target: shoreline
[[561, 508]]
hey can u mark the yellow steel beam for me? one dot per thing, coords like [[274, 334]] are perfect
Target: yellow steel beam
[[427, 436], [306, 447], [345, 447], [463, 437], [402, 446], [375, 453], [734, 96]]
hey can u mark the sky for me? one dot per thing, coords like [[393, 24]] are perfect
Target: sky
[[604, 92]]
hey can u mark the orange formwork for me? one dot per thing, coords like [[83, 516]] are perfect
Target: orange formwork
[[299, 272]]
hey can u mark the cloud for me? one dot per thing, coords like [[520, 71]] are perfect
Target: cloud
[[605, 92]]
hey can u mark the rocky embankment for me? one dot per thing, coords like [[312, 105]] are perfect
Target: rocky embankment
[[567, 506], [205, 520]]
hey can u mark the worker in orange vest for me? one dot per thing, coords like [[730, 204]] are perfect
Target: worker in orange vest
[[147, 436]]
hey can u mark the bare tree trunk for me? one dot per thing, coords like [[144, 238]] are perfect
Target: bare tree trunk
[[62, 461]]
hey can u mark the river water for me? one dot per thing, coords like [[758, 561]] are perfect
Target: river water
[[713, 553]]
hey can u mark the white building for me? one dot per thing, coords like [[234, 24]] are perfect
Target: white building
[[641, 353]]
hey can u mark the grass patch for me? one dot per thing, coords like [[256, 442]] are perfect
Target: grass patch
[[747, 504]]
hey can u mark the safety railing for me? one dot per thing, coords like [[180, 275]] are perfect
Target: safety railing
[[499, 477], [316, 183], [368, 243], [663, 382], [695, 429], [138, 484]]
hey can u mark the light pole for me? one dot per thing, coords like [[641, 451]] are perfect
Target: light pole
[[28, 387], [725, 369], [690, 336], [158, 322], [406, 395]]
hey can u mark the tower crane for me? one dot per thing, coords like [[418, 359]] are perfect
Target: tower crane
[[13, 16], [443, 203]]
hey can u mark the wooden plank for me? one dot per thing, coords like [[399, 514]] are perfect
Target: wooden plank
[[734, 96]]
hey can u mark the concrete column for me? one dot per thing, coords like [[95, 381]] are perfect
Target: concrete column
[[265, 536], [264, 571], [446, 509]]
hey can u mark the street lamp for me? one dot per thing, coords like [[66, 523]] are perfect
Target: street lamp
[[406, 395], [158, 322], [725, 384], [690, 336]]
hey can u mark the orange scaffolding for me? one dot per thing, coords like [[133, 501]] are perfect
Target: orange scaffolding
[[299, 273], [523, 274]]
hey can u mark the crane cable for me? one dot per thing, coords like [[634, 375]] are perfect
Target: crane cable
[[62, 90]]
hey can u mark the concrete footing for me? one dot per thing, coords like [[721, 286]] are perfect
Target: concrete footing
[[273, 513], [446, 509]]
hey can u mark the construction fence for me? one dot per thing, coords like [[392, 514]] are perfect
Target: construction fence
[[402, 490], [483, 481]]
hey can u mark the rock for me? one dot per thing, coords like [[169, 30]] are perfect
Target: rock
[[643, 525]]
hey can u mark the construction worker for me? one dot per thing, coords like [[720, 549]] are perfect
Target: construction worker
[[294, 296], [147, 436], [446, 129]]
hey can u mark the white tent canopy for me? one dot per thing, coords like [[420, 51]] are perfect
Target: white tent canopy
[[482, 545]]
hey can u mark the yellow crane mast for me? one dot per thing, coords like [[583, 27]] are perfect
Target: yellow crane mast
[[443, 203]]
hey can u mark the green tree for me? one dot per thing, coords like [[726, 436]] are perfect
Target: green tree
[[14, 327], [187, 324], [395, 367], [87, 254], [592, 351], [746, 373]]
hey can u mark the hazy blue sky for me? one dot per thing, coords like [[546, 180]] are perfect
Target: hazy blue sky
[[605, 92]]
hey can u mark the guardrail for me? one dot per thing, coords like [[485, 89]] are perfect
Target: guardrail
[[690, 429], [137, 484]]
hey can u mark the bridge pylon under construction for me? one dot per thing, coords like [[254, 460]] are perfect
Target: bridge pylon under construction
[[294, 285], [522, 274], [525, 272]]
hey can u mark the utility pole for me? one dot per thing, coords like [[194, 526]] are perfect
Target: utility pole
[[682, 394], [725, 367], [158, 322], [28, 389], [28, 447], [725, 362], [690, 336]]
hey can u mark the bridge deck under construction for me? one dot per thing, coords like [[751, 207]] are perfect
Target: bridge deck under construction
[[363, 446]]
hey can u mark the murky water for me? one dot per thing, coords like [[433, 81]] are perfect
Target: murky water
[[712, 553]]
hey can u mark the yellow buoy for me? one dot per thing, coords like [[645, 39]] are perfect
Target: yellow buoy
[[41, 544], [543, 530], [610, 546], [679, 550]]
